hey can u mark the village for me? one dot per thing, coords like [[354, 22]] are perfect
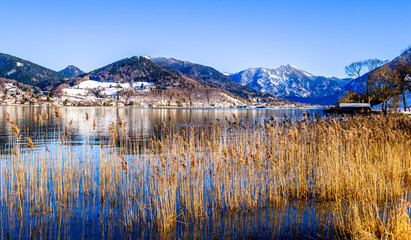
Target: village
[[138, 94]]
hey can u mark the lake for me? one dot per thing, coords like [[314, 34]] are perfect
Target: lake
[[141, 121], [104, 173]]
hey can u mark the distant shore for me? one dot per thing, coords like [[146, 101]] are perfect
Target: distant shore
[[167, 107]]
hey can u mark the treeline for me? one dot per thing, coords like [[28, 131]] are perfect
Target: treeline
[[383, 81]]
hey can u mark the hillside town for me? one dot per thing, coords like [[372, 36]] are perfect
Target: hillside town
[[138, 94]]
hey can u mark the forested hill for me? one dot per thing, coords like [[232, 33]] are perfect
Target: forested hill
[[26, 72]]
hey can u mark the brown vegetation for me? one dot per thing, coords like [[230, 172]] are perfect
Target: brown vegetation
[[359, 165]]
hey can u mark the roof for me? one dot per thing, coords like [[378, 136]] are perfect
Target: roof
[[355, 105]]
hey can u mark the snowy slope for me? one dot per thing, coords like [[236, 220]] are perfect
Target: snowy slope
[[106, 88]]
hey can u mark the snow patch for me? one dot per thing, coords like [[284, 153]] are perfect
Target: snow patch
[[233, 100], [11, 72], [75, 92], [105, 88]]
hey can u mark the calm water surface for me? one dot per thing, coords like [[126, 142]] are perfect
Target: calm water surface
[[141, 121]]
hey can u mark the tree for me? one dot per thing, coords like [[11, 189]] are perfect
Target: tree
[[351, 97], [384, 84], [59, 88], [208, 92], [403, 66], [371, 64], [355, 70]]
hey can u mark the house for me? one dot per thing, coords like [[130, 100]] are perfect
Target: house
[[355, 107], [350, 108]]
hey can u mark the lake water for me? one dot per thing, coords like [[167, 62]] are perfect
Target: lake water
[[141, 121], [88, 218]]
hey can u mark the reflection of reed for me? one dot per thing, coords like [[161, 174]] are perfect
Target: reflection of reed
[[229, 179]]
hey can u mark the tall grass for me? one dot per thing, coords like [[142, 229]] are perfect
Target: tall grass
[[357, 168]]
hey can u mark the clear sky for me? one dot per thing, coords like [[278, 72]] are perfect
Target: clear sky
[[321, 37]]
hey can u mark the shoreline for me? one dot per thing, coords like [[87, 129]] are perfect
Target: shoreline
[[165, 107]]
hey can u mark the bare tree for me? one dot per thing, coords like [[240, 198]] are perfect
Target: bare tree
[[59, 88], [371, 64], [403, 66], [385, 84], [208, 94], [355, 70]]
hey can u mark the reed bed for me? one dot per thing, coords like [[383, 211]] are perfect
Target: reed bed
[[355, 170]]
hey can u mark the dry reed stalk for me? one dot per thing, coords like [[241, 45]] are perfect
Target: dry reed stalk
[[57, 112], [29, 142], [15, 129], [360, 164], [40, 118]]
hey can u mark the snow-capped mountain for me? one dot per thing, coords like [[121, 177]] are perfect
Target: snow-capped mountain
[[288, 81], [208, 76]]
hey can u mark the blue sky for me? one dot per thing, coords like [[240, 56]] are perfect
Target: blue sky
[[321, 37]]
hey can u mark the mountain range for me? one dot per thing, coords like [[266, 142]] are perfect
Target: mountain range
[[208, 76], [193, 79], [289, 82]]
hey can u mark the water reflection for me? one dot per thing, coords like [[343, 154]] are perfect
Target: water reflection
[[140, 121]]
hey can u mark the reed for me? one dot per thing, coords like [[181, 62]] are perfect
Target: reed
[[357, 165]]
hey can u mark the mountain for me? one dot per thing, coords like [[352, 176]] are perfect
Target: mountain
[[289, 82], [136, 69], [165, 85], [71, 71], [169, 83], [209, 76], [142, 69], [27, 72]]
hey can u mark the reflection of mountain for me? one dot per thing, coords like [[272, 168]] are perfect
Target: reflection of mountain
[[140, 121]]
